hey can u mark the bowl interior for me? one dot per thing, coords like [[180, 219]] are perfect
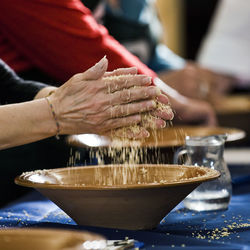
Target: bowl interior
[[116, 176]]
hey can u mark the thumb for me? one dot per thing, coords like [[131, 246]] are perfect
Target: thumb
[[97, 71]]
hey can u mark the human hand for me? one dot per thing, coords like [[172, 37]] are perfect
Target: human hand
[[188, 110], [96, 102], [185, 81], [197, 82], [154, 119], [193, 111], [213, 85]]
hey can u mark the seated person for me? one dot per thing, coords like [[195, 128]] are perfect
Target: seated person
[[226, 46]]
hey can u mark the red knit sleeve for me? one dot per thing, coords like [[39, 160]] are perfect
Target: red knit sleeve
[[61, 37]]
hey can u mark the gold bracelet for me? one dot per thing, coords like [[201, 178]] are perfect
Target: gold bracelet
[[51, 92], [55, 118]]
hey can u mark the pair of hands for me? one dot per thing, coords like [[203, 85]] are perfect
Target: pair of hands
[[201, 87], [197, 82], [97, 101]]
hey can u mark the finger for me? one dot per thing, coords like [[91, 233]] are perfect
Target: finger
[[134, 94], [162, 98], [211, 120], [131, 133], [115, 83], [122, 71], [149, 121], [132, 108], [95, 72], [122, 122], [163, 111], [165, 115]]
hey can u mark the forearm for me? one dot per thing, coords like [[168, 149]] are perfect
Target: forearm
[[25, 122], [187, 109], [173, 94]]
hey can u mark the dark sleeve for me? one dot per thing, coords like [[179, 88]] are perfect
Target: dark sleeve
[[14, 89]]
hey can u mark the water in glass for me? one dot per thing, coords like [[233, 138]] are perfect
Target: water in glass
[[208, 152]]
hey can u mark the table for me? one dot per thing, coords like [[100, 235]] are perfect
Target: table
[[181, 229]]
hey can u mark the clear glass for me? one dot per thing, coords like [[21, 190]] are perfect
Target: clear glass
[[208, 152]]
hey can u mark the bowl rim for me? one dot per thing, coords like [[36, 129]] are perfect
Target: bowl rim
[[233, 134], [22, 179], [45, 230], [73, 236]]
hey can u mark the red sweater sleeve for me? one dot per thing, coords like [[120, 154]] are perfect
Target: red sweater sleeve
[[61, 37]]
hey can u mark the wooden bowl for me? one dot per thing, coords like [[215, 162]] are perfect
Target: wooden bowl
[[118, 196], [160, 146], [40, 239]]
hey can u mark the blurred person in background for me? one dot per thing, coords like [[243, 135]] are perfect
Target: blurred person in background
[[226, 47], [136, 25]]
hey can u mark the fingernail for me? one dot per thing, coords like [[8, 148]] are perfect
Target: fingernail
[[147, 80], [135, 69], [172, 116], [138, 118], [101, 64], [163, 125], [154, 104], [158, 91], [146, 133], [159, 98], [153, 91]]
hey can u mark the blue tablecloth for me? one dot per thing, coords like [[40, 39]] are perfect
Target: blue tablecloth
[[181, 229]]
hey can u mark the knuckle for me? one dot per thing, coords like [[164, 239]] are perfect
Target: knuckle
[[95, 106], [109, 86], [76, 77], [114, 111], [96, 120], [98, 105], [125, 95]]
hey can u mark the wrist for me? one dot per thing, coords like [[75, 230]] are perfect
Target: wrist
[[45, 92], [41, 124], [54, 117], [173, 94]]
